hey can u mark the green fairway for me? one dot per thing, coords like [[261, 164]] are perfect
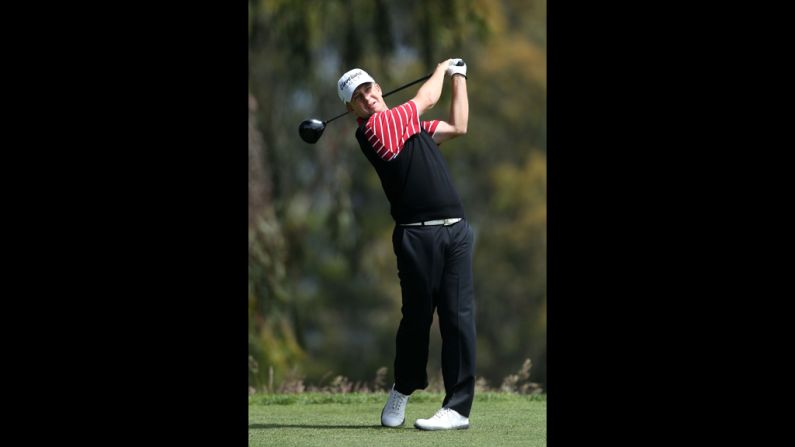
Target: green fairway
[[316, 419]]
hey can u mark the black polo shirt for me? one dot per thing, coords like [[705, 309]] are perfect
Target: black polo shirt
[[411, 168]]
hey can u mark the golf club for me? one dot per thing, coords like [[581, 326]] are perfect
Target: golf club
[[311, 129]]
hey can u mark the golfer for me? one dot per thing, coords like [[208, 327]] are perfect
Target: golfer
[[432, 240]]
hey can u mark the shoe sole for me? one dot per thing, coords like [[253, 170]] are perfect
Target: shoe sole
[[419, 427]]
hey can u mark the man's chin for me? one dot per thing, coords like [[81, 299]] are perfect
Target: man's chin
[[371, 112]]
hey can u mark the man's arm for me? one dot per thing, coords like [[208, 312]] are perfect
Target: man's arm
[[431, 90], [459, 112]]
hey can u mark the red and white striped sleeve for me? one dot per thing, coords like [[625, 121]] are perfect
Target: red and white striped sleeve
[[388, 131], [430, 126]]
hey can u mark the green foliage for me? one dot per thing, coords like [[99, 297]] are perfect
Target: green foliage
[[324, 298], [379, 398]]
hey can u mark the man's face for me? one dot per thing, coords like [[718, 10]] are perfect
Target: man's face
[[367, 100]]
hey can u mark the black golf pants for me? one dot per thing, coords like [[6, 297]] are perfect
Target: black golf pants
[[435, 270]]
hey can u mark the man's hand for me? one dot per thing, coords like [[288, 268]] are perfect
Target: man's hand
[[454, 69]]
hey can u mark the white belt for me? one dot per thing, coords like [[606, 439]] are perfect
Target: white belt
[[444, 222]]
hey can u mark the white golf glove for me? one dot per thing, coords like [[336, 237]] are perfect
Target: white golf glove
[[457, 69]]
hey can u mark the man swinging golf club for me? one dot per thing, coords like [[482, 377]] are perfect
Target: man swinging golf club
[[432, 240]]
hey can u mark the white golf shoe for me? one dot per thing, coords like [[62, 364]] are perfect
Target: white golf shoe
[[394, 412], [444, 419]]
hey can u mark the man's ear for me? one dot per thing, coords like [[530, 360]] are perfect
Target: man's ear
[[348, 107], [378, 87]]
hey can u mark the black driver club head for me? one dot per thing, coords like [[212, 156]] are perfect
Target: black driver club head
[[311, 130]]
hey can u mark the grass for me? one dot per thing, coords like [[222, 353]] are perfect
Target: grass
[[324, 419]]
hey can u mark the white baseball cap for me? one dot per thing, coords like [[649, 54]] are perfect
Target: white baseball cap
[[349, 81]]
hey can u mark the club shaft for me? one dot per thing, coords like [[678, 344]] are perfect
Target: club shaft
[[408, 85], [338, 116]]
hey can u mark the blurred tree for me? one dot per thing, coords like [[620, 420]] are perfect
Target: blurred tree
[[272, 340]]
